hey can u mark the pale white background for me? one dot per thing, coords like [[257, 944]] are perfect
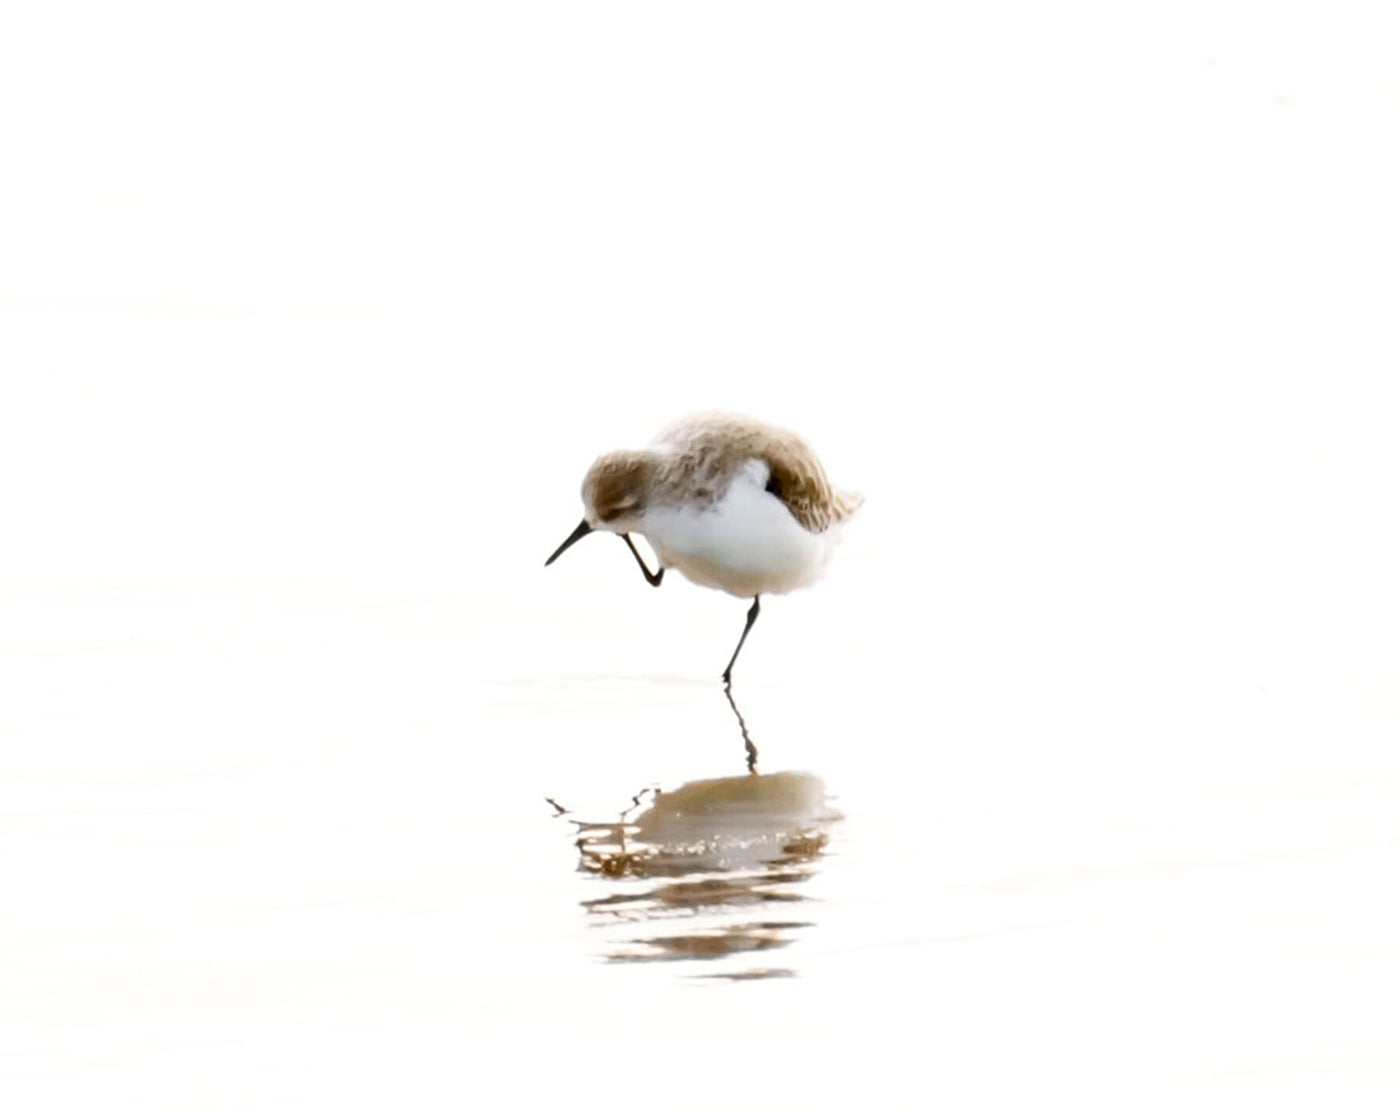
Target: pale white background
[[312, 316]]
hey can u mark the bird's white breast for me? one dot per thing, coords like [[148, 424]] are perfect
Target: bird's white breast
[[746, 543]]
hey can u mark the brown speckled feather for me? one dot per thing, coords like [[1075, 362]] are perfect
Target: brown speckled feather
[[706, 452]]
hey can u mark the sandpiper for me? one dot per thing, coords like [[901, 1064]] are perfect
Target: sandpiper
[[729, 502]]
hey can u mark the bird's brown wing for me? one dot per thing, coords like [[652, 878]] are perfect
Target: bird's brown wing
[[711, 448], [797, 478]]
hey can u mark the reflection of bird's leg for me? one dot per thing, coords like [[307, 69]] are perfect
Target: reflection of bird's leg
[[748, 625], [749, 747], [653, 578]]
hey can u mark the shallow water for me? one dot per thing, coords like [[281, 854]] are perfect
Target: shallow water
[[292, 842]]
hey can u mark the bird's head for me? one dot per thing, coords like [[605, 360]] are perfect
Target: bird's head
[[615, 494]]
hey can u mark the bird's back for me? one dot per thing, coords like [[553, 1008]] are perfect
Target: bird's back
[[707, 451]]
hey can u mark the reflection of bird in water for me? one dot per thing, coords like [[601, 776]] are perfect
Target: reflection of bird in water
[[712, 869], [729, 502]]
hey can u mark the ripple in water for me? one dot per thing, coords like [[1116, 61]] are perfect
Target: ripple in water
[[712, 871]]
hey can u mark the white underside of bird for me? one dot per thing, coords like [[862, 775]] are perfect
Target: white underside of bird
[[746, 542]]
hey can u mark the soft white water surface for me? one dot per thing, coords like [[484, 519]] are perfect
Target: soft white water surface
[[310, 323]]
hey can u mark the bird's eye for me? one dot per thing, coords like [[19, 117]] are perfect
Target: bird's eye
[[774, 487], [618, 509]]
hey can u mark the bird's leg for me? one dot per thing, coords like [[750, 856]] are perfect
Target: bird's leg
[[653, 578], [749, 747], [748, 625]]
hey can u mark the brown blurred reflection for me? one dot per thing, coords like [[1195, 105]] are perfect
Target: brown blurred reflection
[[711, 870]]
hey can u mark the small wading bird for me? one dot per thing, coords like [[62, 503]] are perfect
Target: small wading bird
[[729, 502]]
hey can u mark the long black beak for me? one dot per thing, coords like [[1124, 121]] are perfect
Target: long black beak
[[582, 531]]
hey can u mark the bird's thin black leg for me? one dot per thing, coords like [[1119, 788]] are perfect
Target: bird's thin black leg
[[748, 625], [653, 578]]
